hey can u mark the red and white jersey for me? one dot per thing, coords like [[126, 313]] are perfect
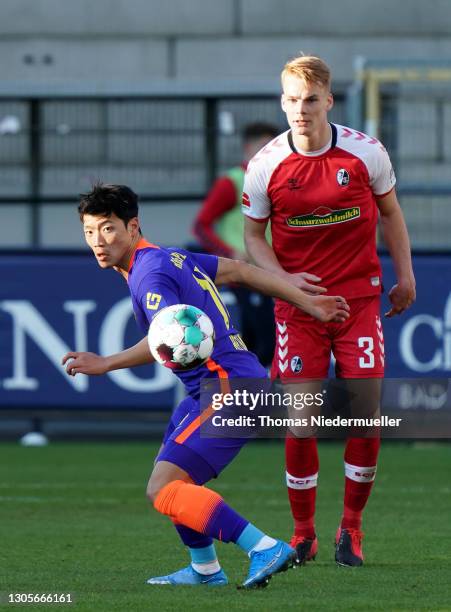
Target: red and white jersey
[[322, 207]]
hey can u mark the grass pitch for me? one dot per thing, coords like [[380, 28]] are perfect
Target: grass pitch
[[74, 519]]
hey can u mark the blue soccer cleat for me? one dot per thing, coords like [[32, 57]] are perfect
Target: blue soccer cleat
[[188, 575], [265, 563]]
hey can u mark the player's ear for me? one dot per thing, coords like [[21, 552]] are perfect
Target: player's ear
[[282, 103], [133, 226], [330, 101]]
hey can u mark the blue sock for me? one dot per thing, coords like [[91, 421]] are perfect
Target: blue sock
[[249, 537], [203, 555]]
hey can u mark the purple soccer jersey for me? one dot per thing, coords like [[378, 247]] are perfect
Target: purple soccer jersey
[[160, 277]]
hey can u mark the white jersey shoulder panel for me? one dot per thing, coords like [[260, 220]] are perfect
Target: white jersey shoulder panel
[[372, 153], [256, 203]]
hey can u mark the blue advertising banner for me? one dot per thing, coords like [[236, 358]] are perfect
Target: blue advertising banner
[[418, 343], [50, 304]]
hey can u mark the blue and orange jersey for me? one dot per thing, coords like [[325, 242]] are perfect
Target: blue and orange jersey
[[159, 277]]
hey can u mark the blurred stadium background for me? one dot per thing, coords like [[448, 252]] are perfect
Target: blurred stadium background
[[154, 94]]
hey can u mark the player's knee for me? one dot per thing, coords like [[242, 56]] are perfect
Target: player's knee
[[156, 484], [151, 491], [154, 487], [158, 479], [164, 483]]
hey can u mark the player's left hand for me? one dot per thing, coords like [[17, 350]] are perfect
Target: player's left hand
[[401, 296], [84, 363], [330, 308]]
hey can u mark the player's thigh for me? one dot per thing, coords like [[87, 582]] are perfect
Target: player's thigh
[[179, 413], [304, 400], [303, 349], [356, 397], [358, 344], [360, 359]]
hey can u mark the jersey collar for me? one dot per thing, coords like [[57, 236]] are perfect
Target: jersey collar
[[333, 142], [142, 244]]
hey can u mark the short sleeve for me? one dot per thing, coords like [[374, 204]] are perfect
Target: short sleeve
[[156, 291], [208, 262], [382, 179], [256, 203]]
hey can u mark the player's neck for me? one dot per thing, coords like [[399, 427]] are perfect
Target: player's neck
[[314, 142], [124, 265], [121, 271]]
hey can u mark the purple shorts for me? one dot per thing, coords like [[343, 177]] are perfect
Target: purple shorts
[[202, 457]]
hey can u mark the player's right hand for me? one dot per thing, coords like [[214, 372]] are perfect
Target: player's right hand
[[240, 255], [84, 363], [330, 308], [304, 281]]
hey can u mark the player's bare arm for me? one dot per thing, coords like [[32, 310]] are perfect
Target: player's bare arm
[[263, 255], [402, 295], [96, 365], [323, 308]]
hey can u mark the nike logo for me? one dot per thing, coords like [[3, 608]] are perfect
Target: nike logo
[[274, 559], [208, 578], [268, 566], [183, 420]]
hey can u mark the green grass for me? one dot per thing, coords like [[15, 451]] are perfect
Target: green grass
[[74, 519]]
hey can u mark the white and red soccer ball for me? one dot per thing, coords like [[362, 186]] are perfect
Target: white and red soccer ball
[[181, 337]]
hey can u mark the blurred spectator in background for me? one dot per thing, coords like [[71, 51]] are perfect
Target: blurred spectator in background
[[219, 229]]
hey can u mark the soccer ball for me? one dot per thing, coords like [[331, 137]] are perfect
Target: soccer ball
[[181, 337]]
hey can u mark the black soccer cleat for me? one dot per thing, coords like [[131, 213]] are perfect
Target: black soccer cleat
[[348, 547], [305, 549]]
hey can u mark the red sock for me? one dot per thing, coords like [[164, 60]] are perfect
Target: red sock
[[301, 455], [360, 471]]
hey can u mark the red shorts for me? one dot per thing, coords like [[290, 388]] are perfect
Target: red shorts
[[304, 345]]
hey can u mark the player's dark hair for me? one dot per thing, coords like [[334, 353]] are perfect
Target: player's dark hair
[[105, 200], [254, 131]]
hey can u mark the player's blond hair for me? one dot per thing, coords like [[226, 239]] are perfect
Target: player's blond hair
[[309, 68]]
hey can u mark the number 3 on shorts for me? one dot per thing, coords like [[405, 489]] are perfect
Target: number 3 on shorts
[[367, 344]]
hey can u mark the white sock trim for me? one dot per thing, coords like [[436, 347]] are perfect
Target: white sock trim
[[306, 482], [263, 544], [359, 473], [206, 568]]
